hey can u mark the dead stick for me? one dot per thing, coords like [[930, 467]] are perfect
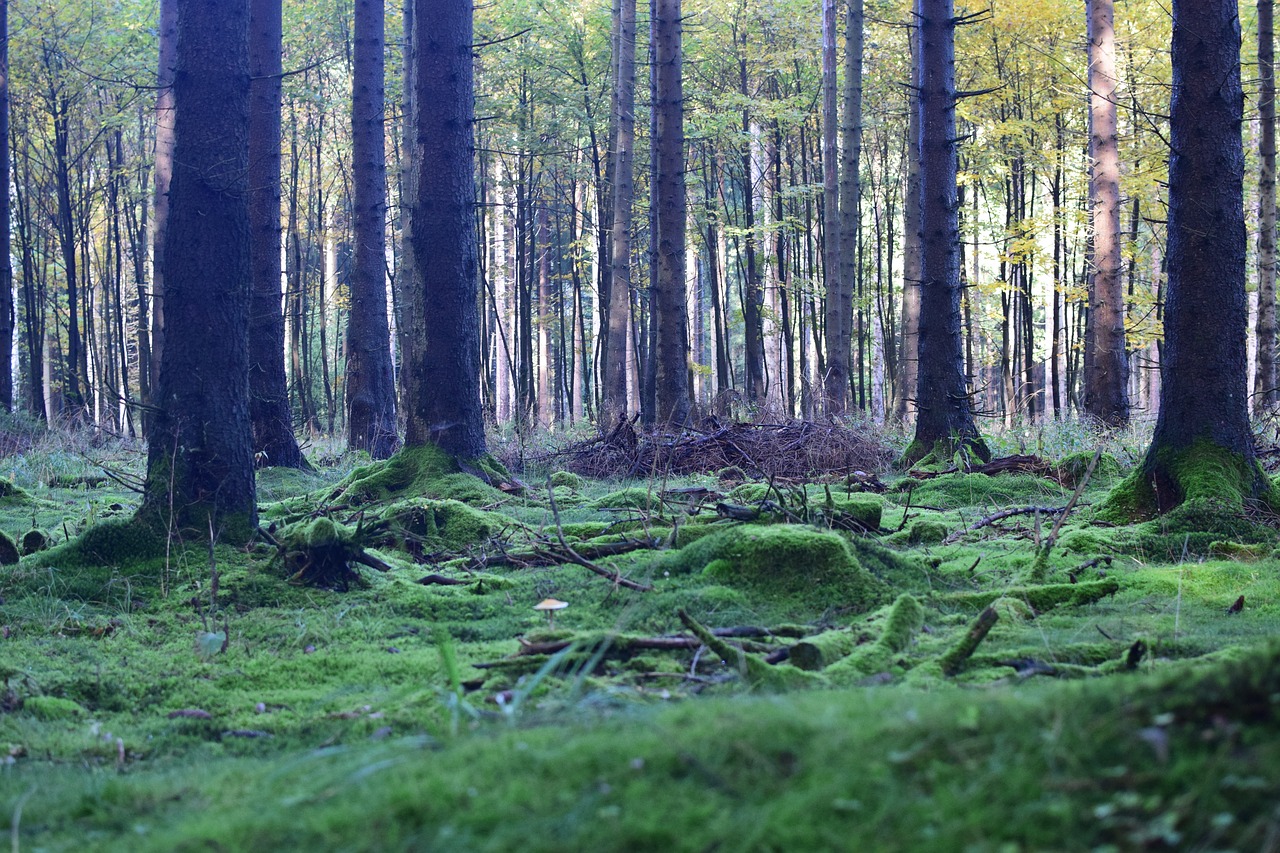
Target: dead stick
[[1000, 516], [954, 660], [1084, 481], [575, 557]]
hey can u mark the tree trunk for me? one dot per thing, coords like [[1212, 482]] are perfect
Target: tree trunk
[[1106, 397], [273, 439], [908, 366], [618, 309], [370, 385], [850, 181], [6, 262], [168, 37], [836, 304], [1202, 451], [1265, 384], [944, 423], [671, 347], [442, 386], [200, 460]]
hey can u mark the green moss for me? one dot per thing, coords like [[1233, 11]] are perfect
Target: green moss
[[904, 621], [1071, 468], [419, 471], [812, 567], [927, 531], [1039, 598], [952, 491], [1201, 486], [114, 542], [438, 524], [52, 708], [1240, 552], [13, 494], [566, 480], [630, 498]]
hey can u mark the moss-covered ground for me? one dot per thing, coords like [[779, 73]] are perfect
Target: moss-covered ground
[[1125, 696]]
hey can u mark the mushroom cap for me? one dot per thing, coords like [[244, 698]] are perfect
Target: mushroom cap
[[551, 604]]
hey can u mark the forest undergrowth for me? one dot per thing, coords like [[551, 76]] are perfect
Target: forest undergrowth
[[744, 657]]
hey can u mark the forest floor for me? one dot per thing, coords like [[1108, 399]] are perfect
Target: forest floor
[[766, 662]]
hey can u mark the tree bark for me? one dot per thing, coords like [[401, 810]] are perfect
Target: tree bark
[[6, 262], [836, 304], [274, 443], [371, 393], [1264, 395], [1202, 447], [1106, 373], [619, 307], [850, 163], [442, 386], [944, 421], [671, 347], [200, 461], [168, 37]]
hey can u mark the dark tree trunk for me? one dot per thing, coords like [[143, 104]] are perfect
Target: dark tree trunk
[[944, 423], [1106, 371], [200, 460], [442, 383], [671, 347], [6, 264], [1264, 393], [1202, 441], [274, 443], [371, 393], [618, 316]]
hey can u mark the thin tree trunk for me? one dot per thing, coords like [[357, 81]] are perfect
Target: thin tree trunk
[[370, 383], [1265, 383], [1106, 398]]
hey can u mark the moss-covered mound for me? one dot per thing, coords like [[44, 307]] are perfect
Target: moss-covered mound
[[815, 568], [437, 525], [114, 542]]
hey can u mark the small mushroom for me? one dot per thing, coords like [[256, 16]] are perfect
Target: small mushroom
[[550, 606]]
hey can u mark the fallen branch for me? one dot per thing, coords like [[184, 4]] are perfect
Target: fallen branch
[[574, 557], [1000, 516], [954, 660]]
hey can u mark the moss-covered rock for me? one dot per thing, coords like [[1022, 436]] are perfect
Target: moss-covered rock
[[52, 708], [813, 567]]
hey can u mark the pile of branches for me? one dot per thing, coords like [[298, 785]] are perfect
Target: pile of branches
[[791, 450]]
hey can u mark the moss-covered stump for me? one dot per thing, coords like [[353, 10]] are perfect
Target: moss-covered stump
[[9, 554], [425, 471], [12, 494], [321, 552], [814, 568], [34, 541], [1201, 486]]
